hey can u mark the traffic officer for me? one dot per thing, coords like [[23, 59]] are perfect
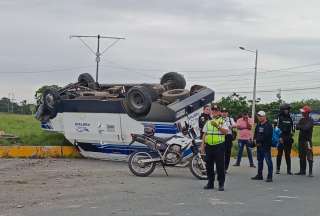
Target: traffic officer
[[285, 124], [213, 139], [204, 117], [305, 127]]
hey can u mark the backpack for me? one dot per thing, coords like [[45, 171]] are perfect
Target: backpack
[[276, 137]]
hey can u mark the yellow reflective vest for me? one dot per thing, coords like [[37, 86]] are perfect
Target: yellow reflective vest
[[213, 135]]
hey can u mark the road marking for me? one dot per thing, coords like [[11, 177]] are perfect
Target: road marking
[[179, 204], [287, 197], [74, 206], [162, 213]]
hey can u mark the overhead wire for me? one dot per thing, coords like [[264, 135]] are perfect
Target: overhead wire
[[45, 71]]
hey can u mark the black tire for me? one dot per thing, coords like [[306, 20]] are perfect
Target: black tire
[[195, 89], [175, 94], [86, 79], [154, 91], [138, 101], [196, 168], [145, 155], [51, 100], [173, 80]]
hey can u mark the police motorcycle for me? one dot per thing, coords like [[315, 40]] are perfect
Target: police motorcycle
[[180, 150]]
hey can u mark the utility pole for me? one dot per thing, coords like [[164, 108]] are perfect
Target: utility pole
[[255, 87], [9, 102], [12, 104], [279, 95], [254, 81], [98, 54]]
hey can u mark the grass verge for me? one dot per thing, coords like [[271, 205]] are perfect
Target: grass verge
[[27, 128]]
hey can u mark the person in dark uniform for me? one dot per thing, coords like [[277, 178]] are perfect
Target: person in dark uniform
[[204, 117], [285, 124], [305, 127], [229, 137], [263, 139], [213, 146]]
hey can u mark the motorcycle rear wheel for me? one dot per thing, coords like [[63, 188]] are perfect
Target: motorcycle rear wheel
[[196, 167], [139, 168]]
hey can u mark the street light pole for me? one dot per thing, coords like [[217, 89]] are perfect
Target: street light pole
[[254, 88], [254, 93]]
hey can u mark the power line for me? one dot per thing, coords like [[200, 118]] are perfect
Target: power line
[[270, 90], [291, 68], [98, 54], [46, 71]]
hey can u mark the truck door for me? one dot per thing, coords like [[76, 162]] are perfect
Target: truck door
[[129, 126]]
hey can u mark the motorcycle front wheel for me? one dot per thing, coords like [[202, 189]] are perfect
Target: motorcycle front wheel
[[138, 167], [198, 168]]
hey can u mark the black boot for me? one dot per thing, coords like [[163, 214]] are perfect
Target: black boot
[[221, 187], [302, 169], [257, 177], [209, 186], [289, 167], [269, 178], [310, 168]]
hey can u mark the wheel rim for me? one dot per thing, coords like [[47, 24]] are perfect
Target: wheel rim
[[138, 165], [137, 100], [197, 166]]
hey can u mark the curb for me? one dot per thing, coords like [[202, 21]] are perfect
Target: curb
[[38, 151], [73, 152]]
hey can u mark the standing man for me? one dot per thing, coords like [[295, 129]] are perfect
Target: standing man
[[285, 124], [213, 139], [305, 127], [204, 117], [229, 137], [244, 125], [263, 140]]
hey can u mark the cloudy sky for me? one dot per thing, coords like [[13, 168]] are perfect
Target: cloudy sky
[[198, 38]]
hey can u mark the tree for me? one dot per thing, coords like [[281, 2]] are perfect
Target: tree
[[271, 109], [235, 104]]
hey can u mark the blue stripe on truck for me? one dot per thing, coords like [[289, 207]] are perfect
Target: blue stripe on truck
[[166, 129]]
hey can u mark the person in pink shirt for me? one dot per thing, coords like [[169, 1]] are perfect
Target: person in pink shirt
[[244, 126]]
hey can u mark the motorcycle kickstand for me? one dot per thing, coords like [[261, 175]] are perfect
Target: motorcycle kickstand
[[164, 169]]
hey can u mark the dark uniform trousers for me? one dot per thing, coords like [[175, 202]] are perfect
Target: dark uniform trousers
[[215, 156], [304, 155], [285, 147], [228, 148]]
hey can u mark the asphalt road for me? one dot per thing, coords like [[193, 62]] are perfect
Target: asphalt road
[[82, 187]]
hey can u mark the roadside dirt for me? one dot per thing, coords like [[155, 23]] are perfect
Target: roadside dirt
[[45, 182]]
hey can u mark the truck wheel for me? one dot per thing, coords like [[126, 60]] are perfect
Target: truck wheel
[[138, 101], [137, 167], [175, 94], [173, 80], [51, 99], [195, 89], [155, 90], [86, 79]]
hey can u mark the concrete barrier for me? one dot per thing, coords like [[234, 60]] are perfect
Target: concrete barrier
[[38, 151]]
